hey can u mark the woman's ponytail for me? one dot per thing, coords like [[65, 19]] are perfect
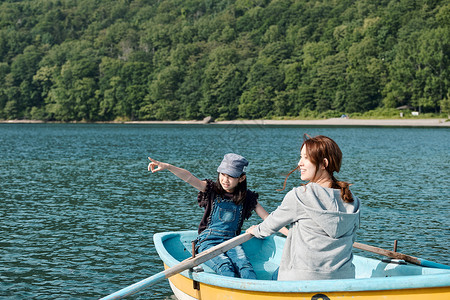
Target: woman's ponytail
[[346, 195]]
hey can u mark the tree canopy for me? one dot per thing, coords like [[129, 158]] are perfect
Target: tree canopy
[[84, 60]]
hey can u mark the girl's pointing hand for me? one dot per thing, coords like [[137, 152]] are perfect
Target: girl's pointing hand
[[155, 166]]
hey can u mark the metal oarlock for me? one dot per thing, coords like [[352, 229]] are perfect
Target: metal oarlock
[[195, 284]]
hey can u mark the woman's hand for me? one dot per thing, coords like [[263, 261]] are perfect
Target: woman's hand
[[250, 230], [155, 166]]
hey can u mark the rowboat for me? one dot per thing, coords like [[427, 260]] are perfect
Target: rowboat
[[375, 279]]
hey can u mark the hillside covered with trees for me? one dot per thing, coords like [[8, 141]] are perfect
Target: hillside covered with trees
[[104, 60]]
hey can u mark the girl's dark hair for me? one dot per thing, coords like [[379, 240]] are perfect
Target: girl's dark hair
[[318, 148], [239, 193]]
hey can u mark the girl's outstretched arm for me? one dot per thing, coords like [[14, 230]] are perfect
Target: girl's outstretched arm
[[262, 213], [179, 172]]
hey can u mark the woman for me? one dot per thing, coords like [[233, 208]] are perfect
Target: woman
[[323, 215]]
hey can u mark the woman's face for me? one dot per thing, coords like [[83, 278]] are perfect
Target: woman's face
[[228, 183], [306, 167]]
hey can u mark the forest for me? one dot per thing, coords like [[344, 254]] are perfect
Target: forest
[[104, 60]]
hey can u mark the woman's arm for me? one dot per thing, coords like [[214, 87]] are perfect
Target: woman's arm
[[262, 213], [285, 214], [183, 174]]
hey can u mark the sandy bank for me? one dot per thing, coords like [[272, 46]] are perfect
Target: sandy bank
[[322, 122]]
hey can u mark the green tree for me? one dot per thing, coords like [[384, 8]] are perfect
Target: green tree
[[110, 88], [256, 103], [433, 60], [445, 105], [364, 76], [73, 91], [163, 101], [222, 85], [23, 68], [330, 83]]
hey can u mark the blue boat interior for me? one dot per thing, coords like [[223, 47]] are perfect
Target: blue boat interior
[[265, 255]]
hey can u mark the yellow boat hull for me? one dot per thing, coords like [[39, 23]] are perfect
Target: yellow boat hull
[[183, 288]]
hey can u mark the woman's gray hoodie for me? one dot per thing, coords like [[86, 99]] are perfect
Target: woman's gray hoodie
[[320, 241]]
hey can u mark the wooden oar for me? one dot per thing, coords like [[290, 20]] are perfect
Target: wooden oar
[[184, 265], [397, 255]]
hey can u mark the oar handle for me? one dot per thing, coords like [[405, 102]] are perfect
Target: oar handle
[[184, 265], [396, 255], [387, 253]]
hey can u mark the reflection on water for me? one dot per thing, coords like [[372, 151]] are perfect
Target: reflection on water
[[79, 208]]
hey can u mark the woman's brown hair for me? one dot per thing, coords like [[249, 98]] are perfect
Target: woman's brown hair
[[319, 148]]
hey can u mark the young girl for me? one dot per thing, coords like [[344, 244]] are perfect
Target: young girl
[[324, 215], [227, 202]]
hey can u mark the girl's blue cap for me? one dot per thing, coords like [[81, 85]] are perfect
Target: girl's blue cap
[[232, 165]]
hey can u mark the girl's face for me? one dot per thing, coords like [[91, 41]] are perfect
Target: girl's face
[[229, 183], [306, 167]]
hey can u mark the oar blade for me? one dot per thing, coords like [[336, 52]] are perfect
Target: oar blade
[[182, 266], [134, 288]]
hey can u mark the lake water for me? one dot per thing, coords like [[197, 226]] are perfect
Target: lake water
[[79, 208]]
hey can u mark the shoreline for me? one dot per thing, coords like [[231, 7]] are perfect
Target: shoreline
[[321, 122]]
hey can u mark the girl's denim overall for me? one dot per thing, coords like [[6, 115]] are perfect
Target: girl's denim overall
[[223, 225]]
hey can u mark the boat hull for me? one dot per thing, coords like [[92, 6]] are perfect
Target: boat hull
[[377, 280], [183, 289]]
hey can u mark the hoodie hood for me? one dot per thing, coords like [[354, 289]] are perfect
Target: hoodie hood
[[335, 217]]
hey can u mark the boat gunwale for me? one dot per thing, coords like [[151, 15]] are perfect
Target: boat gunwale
[[438, 280]]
